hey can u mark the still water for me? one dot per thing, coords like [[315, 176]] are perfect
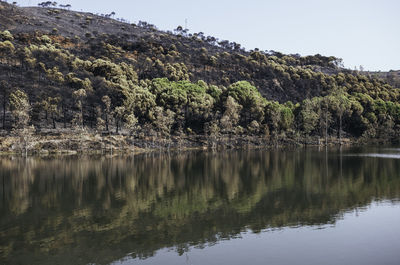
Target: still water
[[238, 207]]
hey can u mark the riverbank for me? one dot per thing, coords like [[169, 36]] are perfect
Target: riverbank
[[92, 143]]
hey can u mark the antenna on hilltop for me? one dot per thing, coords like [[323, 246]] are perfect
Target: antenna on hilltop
[[186, 22]]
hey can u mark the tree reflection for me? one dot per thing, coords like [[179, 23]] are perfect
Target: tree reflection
[[84, 210]]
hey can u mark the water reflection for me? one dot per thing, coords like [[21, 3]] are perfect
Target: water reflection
[[98, 210]]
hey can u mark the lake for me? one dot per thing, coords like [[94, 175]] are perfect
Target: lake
[[302, 206]]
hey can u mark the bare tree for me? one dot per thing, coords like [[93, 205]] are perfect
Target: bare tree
[[5, 93]]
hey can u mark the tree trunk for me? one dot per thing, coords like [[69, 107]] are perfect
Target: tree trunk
[[64, 116], [326, 128], [93, 118], [82, 116], [54, 121], [4, 110], [340, 129]]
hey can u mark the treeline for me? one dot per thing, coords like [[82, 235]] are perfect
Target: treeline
[[53, 82]]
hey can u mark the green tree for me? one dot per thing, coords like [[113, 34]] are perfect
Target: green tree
[[273, 116], [286, 117], [249, 98], [6, 35], [308, 116], [141, 102], [340, 103]]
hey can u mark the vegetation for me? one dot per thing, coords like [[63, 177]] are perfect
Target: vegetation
[[144, 81]]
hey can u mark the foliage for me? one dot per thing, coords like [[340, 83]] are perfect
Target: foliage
[[187, 83]]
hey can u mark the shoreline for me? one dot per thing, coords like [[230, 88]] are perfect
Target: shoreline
[[65, 144]]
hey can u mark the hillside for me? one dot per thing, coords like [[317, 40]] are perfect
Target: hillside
[[392, 77], [62, 68]]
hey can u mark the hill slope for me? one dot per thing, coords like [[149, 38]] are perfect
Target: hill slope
[[204, 58], [81, 70]]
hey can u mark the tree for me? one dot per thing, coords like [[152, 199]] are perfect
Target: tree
[[131, 123], [204, 58], [45, 106], [141, 103], [107, 110], [5, 89], [326, 118], [6, 35], [178, 30], [20, 108], [68, 6], [254, 127], [273, 116], [231, 115], [100, 123], [340, 104], [119, 116], [286, 117], [249, 98], [53, 109], [163, 121], [212, 129], [45, 4], [308, 116], [79, 96], [6, 50]]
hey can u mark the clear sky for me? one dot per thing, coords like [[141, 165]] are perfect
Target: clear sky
[[361, 32]]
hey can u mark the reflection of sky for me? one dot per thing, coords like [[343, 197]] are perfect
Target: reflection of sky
[[393, 153], [393, 156], [371, 236]]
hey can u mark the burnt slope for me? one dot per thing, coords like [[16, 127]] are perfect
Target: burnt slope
[[277, 76]]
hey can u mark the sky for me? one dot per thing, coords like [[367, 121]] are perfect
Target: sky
[[361, 32]]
